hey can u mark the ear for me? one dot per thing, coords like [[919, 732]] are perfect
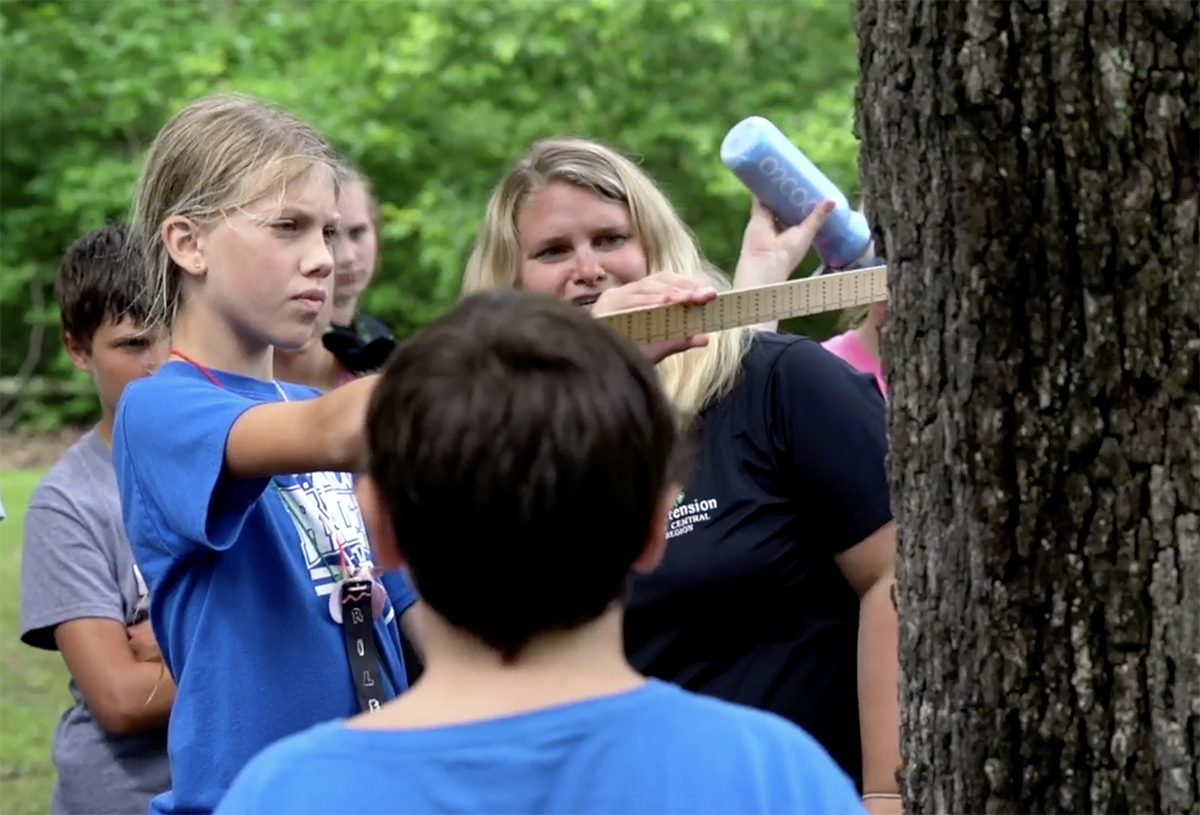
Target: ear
[[656, 537], [79, 355], [185, 243], [378, 521]]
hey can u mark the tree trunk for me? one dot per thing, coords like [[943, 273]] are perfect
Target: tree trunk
[[1031, 173]]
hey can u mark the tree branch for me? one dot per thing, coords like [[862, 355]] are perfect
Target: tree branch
[[33, 356]]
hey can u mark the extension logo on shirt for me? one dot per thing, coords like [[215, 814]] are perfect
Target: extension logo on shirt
[[324, 509], [687, 515]]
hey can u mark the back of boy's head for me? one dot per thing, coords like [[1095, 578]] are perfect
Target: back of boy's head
[[95, 283], [215, 155], [522, 450]]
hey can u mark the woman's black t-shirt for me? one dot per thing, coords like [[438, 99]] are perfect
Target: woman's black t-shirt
[[748, 604]]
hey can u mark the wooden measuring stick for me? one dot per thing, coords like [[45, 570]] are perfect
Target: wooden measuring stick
[[733, 309]]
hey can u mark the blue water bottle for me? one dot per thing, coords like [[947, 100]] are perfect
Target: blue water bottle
[[791, 186]]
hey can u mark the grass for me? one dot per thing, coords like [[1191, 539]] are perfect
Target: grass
[[33, 683]]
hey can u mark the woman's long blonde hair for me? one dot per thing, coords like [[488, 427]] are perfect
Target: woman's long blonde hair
[[217, 154], [692, 379]]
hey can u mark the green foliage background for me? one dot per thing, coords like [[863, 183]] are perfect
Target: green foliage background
[[433, 98]]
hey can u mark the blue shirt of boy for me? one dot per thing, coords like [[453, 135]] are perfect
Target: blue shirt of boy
[[656, 749]]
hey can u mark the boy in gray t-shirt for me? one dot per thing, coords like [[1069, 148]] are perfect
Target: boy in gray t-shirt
[[81, 593]]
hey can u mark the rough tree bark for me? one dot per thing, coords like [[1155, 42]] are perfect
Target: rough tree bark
[[1031, 172]]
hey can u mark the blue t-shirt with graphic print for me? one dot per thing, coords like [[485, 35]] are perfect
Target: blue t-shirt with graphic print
[[241, 572]]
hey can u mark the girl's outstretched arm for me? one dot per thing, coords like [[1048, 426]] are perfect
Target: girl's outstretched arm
[[325, 433]]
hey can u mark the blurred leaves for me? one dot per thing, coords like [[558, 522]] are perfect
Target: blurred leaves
[[433, 99]]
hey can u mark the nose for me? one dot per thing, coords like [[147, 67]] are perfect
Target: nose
[[588, 270], [319, 256]]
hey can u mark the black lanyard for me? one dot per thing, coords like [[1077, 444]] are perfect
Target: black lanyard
[[365, 664]]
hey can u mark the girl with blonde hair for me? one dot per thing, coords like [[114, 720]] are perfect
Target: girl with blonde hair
[[362, 343], [235, 488], [775, 588]]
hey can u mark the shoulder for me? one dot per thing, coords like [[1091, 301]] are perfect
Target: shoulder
[[71, 547], [770, 351], [298, 747], [176, 406], [172, 377], [798, 370], [755, 739], [175, 388], [733, 719], [78, 502], [804, 373], [279, 771], [796, 352], [74, 512], [839, 342], [731, 722], [72, 480]]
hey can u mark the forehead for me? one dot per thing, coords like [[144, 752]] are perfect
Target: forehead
[[311, 189], [122, 328], [562, 208], [353, 205]]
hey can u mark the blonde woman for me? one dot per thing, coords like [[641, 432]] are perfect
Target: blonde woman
[[775, 588]]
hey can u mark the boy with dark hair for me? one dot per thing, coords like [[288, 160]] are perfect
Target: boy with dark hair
[[522, 463], [81, 593]]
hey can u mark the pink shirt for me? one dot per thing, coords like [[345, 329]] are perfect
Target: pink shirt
[[850, 348]]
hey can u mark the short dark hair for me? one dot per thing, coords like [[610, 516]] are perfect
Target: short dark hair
[[97, 281], [521, 448]]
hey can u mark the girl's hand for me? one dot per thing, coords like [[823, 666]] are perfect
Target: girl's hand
[[770, 255], [656, 290]]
